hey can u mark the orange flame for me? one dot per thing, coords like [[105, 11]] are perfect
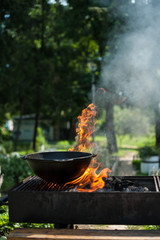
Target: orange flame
[[90, 181], [85, 128], [102, 89], [124, 99]]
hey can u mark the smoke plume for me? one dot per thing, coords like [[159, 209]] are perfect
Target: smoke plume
[[134, 68]]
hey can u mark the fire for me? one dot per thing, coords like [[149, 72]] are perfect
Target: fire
[[90, 181], [124, 99], [85, 128], [102, 89]]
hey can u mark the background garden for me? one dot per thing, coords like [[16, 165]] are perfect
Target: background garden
[[57, 57]]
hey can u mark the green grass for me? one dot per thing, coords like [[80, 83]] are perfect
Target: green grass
[[135, 227], [125, 143], [101, 139], [128, 144], [144, 227], [136, 141], [63, 145]]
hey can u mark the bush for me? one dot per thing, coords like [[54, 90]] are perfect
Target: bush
[[151, 227], [15, 170], [6, 226], [133, 122], [2, 150], [137, 164], [147, 152], [8, 145], [40, 140]]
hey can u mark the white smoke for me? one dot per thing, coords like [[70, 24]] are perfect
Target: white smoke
[[134, 69]]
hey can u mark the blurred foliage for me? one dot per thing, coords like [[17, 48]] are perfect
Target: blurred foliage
[[8, 146], [6, 226], [133, 121], [148, 151], [139, 141], [41, 141], [15, 170], [48, 51], [64, 145], [151, 227], [2, 150], [137, 164], [51, 47], [5, 134]]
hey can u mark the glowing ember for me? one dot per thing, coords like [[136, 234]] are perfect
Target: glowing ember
[[85, 128], [124, 99], [102, 89], [90, 181]]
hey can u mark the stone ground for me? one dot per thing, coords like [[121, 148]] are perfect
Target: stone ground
[[124, 168]]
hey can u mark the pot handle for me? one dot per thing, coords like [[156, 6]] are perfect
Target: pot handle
[[94, 155]]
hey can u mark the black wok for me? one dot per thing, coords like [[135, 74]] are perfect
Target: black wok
[[59, 167]]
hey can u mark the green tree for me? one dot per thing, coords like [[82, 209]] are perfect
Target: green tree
[[48, 60]]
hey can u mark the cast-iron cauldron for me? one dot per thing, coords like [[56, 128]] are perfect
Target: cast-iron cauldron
[[59, 167]]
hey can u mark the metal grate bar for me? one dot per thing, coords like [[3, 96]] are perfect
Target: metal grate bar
[[29, 184], [156, 184], [158, 181], [23, 184], [35, 183], [38, 182]]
